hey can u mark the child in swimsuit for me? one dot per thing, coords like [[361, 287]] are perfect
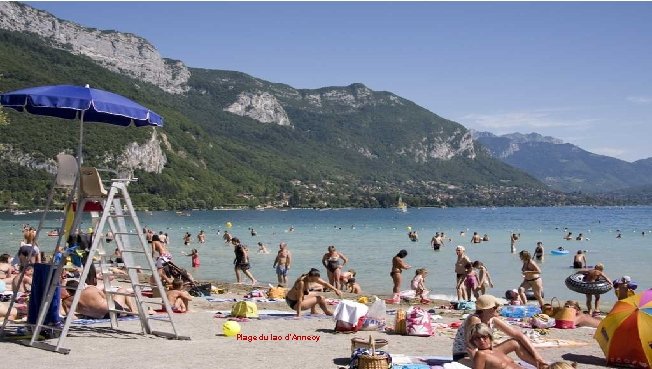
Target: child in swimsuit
[[471, 281]]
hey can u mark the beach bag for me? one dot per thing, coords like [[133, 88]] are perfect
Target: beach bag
[[276, 292], [400, 322], [418, 322], [565, 318], [376, 317], [542, 321], [244, 309], [349, 316]]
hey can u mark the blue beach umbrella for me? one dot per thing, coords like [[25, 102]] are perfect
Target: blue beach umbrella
[[83, 103]]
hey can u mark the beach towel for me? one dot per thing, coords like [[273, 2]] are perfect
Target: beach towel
[[349, 316]]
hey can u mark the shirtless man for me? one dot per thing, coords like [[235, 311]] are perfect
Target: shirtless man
[[436, 242], [476, 238], [92, 301], [159, 247], [579, 260], [282, 263], [594, 275], [178, 297]]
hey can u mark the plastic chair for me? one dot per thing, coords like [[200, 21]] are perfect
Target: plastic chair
[[91, 183], [66, 170]]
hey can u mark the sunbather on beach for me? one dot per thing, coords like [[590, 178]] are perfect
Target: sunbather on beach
[[26, 283], [331, 261], [581, 319], [178, 297], [300, 298], [6, 269], [484, 357], [486, 312], [3, 311], [92, 301]]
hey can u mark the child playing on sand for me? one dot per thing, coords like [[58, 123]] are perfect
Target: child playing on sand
[[353, 287], [471, 282], [484, 278], [513, 297], [418, 284]]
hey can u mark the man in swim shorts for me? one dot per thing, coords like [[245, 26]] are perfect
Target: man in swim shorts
[[282, 263]]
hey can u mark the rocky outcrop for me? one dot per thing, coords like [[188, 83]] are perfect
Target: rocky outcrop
[[120, 52], [441, 148], [148, 156], [347, 99], [263, 107]]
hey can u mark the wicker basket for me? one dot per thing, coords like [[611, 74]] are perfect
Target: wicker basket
[[358, 342], [372, 361]]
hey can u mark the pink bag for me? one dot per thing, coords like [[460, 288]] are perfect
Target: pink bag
[[418, 322]]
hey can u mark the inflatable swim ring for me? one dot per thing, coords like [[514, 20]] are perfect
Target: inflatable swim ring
[[575, 282], [558, 252]]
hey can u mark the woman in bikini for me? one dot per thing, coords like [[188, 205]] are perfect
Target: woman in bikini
[[398, 265], [299, 297], [331, 262], [531, 277], [460, 273]]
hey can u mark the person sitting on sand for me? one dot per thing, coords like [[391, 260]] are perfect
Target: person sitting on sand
[[581, 319], [418, 284], [178, 297], [353, 287], [624, 288], [92, 301], [594, 275], [7, 270], [486, 312], [513, 298], [26, 284], [482, 353], [300, 298], [579, 260]]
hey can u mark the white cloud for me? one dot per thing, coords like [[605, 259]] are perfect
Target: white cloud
[[640, 99], [525, 121]]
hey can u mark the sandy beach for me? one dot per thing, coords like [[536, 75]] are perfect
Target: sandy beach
[[284, 342]]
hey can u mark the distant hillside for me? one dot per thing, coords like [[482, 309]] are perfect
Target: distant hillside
[[564, 166]]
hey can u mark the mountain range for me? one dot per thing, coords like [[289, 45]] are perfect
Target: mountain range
[[231, 139], [564, 166]]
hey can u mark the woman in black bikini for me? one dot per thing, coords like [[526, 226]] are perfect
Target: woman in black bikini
[[300, 298], [331, 262], [398, 265], [531, 277]]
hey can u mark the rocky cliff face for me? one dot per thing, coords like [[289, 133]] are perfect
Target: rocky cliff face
[[441, 148], [120, 52], [262, 107]]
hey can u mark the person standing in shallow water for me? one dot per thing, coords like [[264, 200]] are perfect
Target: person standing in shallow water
[[538, 251], [398, 266], [513, 240]]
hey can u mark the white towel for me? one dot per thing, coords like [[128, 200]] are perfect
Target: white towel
[[350, 311]]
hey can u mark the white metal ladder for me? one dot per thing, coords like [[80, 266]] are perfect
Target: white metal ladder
[[118, 214]]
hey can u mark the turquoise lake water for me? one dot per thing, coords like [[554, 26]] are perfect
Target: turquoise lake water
[[371, 237]]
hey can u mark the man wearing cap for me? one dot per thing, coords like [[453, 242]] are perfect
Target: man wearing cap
[[486, 312]]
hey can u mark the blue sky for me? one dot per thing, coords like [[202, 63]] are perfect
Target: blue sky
[[578, 71]]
